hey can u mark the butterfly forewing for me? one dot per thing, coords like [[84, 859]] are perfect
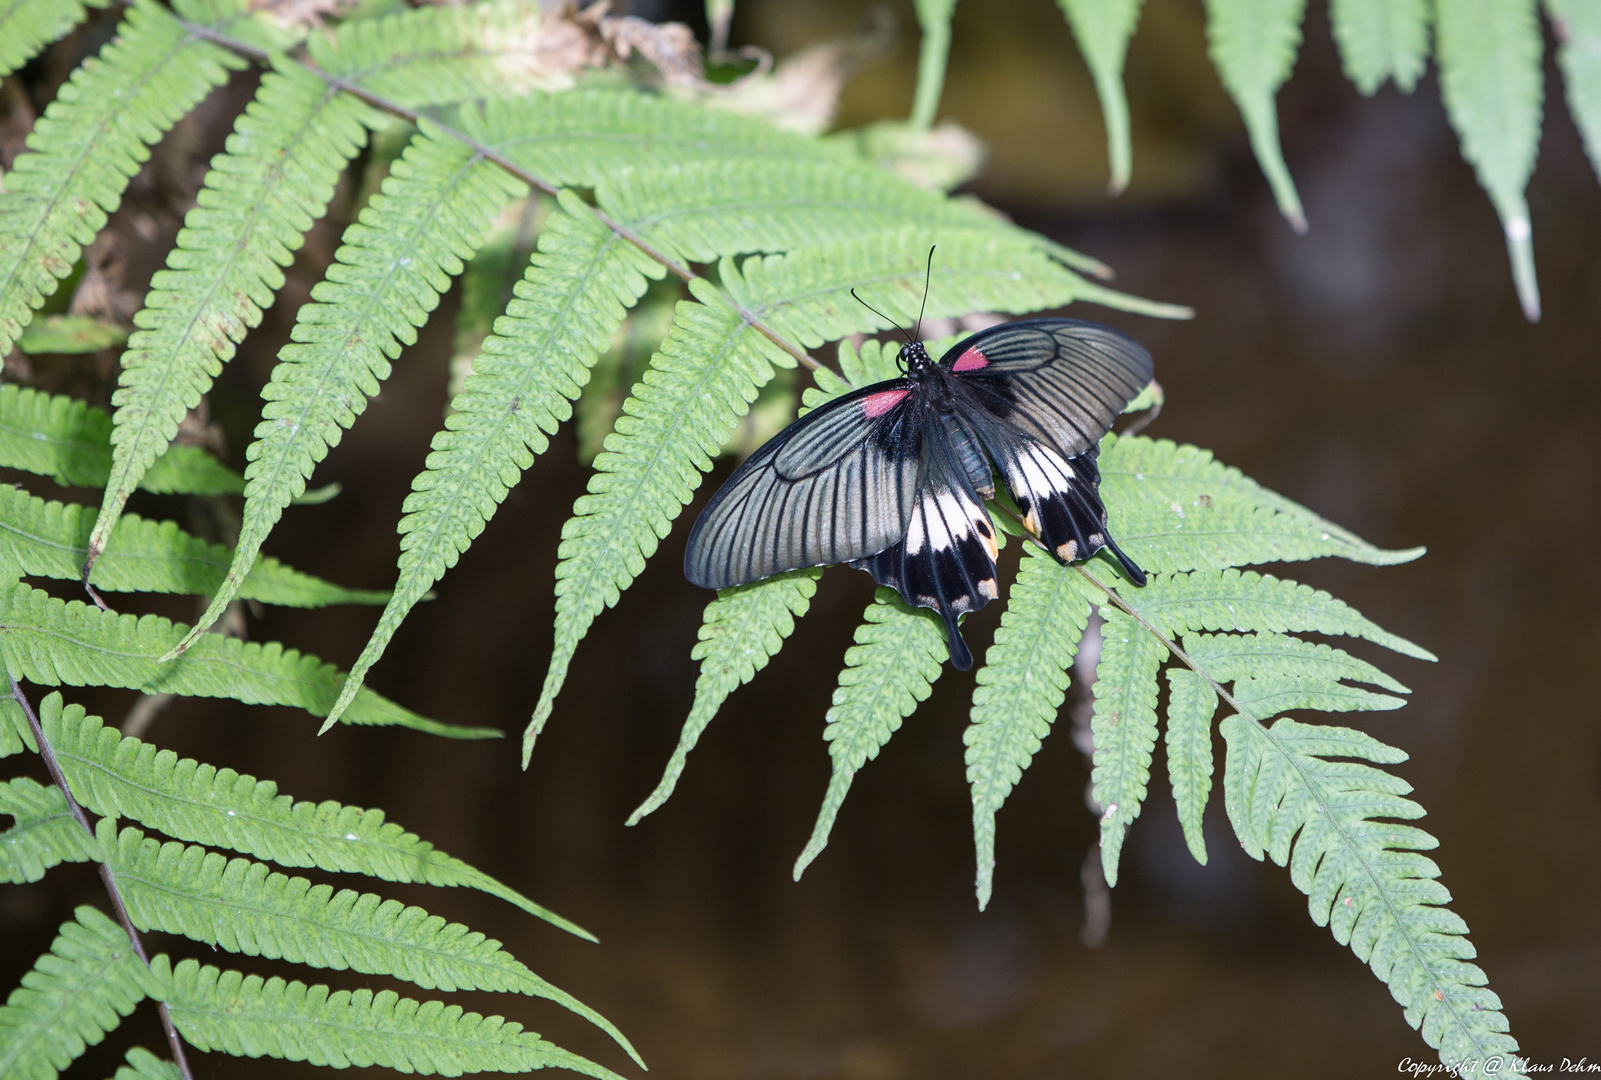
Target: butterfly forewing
[[836, 485], [1061, 380]]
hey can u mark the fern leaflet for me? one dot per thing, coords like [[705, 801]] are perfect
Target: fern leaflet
[[27, 26], [1191, 704], [574, 295], [1253, 45], [898, 654], [74, 994], [259, 200], [1021, 686], [934, 18], [45, 832], [1490, 77], [143, 1065], [1102, 29], [1124, 728], [1382, 39], [1363, 877], [44, 538], [1579, 54], [53, 642], [385, 281], [251, 1017], [88, 144], [116, 776], [245, 907]]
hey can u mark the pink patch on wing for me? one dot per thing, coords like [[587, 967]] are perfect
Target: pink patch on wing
[[971, 360], [876, 405]]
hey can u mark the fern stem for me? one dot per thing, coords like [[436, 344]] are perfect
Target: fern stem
[[48, 752], [490, 154]]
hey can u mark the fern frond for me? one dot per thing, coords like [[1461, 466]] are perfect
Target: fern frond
[[1490, 77], [75, 993], [1178, 508], [247, 1016], [27, 26], [259, 200], [1191, 704], [15, 734], [1579, 56], [898, 654], [1382, 39], [742, 630], [45, 832], [1273, 673], [1253, 45], [386, 279], [243, 906], [934, 18], [117, 776], [1363, 877], [43, 538], [143, 1065], [88, 145], [712, 365], [70, 441], [54, 642], [1020, 688], [1124, 727], [585, 137], [1234, 600], [575, 293], [434, 56], [1102, 29]]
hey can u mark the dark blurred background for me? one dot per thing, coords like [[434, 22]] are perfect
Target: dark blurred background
[[1377, 370]]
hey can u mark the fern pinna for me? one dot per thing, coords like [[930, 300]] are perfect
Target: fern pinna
[[766, 232]]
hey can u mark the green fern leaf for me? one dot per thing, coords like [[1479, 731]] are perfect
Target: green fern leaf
[[88, 144], [1191, 704], [27, 26], [1230, 600], [710, 369], [1102, 29], [259, 200], [934, 17], [1579, 54], [1363, 877], [586, 137], [572, 299], [66, 439], [116, 776], [15, 734], [247, 1016], [143, 1065], [244, 907], [743, 629], [898, 654], [1020, 688], [1382, 39], [45, 832], [1272, 673], [53, 642], [1178, 508], [73, 995], [1124, 727], [383, 285], [1490, 77], [43, 538], [1253, 45]]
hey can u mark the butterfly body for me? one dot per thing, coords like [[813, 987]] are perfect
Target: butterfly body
[[891, 478]]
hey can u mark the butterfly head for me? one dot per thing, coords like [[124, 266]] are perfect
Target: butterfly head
[[914, 359]]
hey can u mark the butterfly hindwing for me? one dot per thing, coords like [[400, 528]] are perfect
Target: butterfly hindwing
[[836, 485], [946, 559], [1062, 381]]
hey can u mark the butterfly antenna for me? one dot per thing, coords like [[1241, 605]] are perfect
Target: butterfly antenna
[[881, 315], [928, 274]]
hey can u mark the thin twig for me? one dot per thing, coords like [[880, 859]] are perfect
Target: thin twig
[[48, 752]]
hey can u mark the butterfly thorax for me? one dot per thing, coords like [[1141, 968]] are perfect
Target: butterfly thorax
[[914, 359]]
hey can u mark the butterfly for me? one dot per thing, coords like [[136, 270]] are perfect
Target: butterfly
[[891, 478]]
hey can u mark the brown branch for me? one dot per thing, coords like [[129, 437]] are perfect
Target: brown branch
[[48, 752]]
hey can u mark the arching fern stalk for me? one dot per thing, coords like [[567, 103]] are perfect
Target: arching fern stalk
[[1306, 795]]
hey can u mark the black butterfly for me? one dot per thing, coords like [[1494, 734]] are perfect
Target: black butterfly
[[891, 478]]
